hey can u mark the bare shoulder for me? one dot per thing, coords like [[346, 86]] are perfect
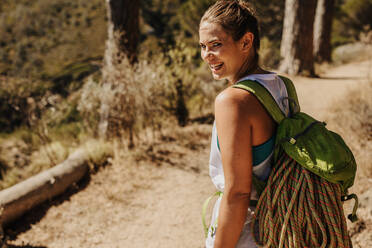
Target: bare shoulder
[[236, 98], [236, 109]]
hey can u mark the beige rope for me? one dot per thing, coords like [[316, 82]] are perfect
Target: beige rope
[[299, 209]]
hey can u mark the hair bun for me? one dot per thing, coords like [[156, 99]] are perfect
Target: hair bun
[[236, 17], [249, 7]]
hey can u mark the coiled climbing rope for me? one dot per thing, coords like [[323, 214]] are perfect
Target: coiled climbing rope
[[299, 209]]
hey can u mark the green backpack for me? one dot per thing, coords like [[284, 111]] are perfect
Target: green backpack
[[307, 141]]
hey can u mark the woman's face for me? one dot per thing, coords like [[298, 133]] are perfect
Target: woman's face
[[224, 56]]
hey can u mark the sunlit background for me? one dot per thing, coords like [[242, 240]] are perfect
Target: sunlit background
[[123, 80]]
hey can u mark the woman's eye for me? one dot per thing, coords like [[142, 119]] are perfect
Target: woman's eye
[[213, 45]]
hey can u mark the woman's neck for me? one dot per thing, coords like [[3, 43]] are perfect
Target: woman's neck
[[250, 66], [258, 70]]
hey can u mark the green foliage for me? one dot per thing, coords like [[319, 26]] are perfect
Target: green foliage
[[46, 46], [23, 134], [160, 17], [38, 38], [15, 97], [269, 53], [181, 81], [270, 15], [351, 18], [358, 13], [189, 16], [63, 82]]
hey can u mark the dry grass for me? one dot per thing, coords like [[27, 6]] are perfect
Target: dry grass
[[19, 162], [140, 103], [99, 152], [22, 163], [353, 120], [168, 147], [155, 90], [357, 51]]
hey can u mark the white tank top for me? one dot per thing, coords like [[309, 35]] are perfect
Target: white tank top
[[278, 90]]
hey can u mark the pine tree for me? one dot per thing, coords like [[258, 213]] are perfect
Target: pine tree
[[123, 37], [297, 39], [322, 30]]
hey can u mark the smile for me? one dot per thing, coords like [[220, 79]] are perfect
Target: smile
[[216, 67]]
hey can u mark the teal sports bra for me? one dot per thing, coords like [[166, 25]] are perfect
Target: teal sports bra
[[260, 152]]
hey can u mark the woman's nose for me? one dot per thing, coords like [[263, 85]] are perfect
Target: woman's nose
[[206, 54]]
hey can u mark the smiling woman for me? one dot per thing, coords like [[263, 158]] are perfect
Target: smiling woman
[[229, 42], [218, 49]]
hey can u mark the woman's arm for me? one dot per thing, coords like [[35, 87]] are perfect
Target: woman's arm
[[234, 112]]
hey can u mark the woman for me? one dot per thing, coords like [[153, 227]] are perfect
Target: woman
[[229, 41]]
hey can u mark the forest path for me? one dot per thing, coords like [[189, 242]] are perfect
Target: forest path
[[151, 206], [316, 95]]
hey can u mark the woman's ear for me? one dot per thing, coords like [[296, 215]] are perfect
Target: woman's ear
[[247, 41]]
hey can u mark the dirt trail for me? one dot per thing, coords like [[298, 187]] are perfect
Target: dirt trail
[[149, 206], [317, 94]]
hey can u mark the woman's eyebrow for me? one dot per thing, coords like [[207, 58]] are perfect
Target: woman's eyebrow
[[214, 40], [211, 41]]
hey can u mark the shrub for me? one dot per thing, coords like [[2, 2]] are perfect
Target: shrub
[[352, 119], [16, 94], [131, 98], [269, 53], [351, 18], [356, 51], [39, 38], [127, 99], [41, 159]]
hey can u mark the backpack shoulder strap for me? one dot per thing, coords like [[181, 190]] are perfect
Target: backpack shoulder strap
[[264, 96], [292, 94], [268, 101]]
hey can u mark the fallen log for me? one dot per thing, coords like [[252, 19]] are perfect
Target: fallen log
[[18, 199]]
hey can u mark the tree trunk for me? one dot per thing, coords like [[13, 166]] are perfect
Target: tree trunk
[[297, 40], [322, 30], [124, 19], [122, 38], [181, 110], [18, 199]]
